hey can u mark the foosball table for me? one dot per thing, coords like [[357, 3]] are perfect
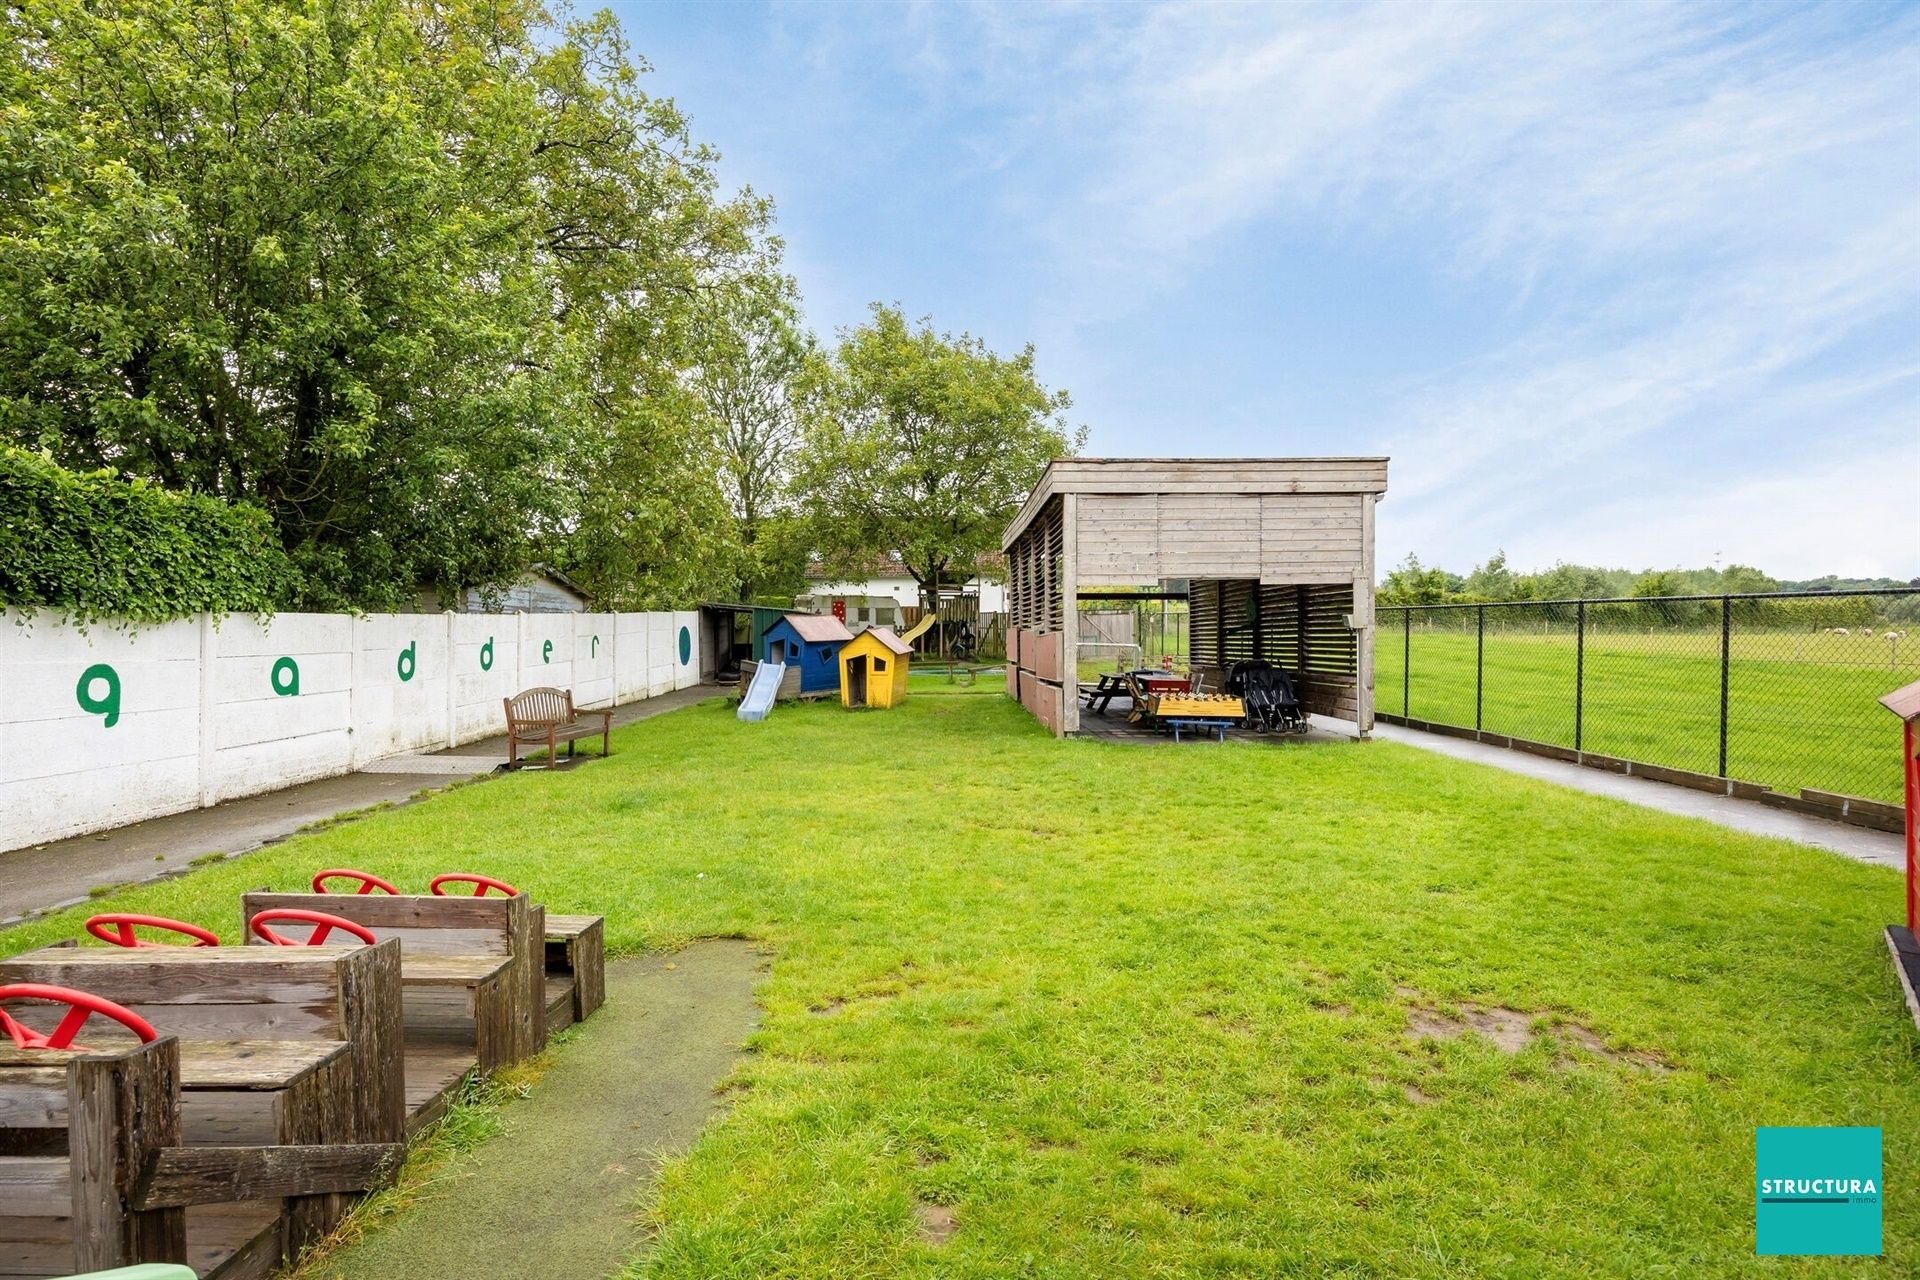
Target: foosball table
[[1213, 713]]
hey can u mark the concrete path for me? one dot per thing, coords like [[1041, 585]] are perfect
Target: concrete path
[[1878, 847], [554, 1196], [47, 877]]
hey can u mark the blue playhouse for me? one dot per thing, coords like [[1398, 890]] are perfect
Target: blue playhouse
[[810, 642]]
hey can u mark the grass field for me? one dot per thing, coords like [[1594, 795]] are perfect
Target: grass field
[[1138, 1012], [1801, 708]]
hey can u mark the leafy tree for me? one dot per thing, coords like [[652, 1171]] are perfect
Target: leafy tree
[[1740, 577], [925, 444], [1658, 582], [1411, 582], [422, 281], [751, 382]]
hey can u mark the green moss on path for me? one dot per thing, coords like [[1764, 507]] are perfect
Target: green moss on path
[[554, 1196]]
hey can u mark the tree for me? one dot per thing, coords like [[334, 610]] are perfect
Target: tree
[[421, 280], [1492, 580], [751, 383], [924, 444], [1658, 582], [1411, 582]]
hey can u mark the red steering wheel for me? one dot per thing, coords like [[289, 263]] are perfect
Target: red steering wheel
[[368, 881], [480, 885], [83, 1005], [325, 924], [117, 928]]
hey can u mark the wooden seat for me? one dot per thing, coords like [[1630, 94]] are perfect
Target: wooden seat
[[546, 717], [576, 982]]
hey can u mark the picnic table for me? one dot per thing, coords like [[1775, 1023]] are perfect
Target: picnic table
[[1134, 685]]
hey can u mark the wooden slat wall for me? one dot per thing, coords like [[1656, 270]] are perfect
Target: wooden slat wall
[[1130, 539], [1301, 628]]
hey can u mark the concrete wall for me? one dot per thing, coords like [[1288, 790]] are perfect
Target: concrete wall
[[105, 727]]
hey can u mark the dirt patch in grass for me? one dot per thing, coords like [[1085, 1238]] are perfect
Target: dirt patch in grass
[[937, 1222], [1512, 1030]]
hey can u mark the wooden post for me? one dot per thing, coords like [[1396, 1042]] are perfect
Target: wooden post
[[1070, 614], [121, 1110]]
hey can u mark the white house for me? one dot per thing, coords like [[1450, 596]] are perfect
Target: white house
[[879, 598]]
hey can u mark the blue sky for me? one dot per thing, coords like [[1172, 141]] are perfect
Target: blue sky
[[1620, 284]]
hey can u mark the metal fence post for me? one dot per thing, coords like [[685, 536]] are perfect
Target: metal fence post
[[1406, 660], [1726, 651], [1579, 672], [1479, 662]]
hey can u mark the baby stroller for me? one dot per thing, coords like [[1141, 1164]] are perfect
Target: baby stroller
[[1268, 694]]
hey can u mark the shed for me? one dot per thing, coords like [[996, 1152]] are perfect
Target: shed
[[1277, 554], [811, 643], [873, 669]]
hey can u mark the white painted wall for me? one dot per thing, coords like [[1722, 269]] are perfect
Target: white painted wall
[[204, 711]]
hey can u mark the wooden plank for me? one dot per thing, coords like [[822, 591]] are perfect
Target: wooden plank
[[182, 1176], [372, 1021], [452, 971], [253, 1064], [1069, 706], [430, 916], [191, 975], [41, 1186], [241, 1241], [33, 1098]]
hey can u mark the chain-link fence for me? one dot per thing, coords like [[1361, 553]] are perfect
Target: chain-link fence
[[1777, 689]]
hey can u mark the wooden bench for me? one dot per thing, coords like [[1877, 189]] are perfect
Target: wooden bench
[[94, 1174], [292, 1047], [546, 718], [472, 980], [576, 976]]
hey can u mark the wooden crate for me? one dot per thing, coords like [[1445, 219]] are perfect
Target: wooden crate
[[282, 1047], [95, 1176], [472, 976]]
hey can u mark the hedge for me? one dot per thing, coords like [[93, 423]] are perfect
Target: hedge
[[96, 547]]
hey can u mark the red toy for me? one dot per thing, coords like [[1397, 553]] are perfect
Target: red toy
[[368, 881], [480, 883], [326, 925], [118, 927], [84, 1004]]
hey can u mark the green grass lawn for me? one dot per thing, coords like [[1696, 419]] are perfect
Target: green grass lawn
[[1147, 1011], [1801, 709]]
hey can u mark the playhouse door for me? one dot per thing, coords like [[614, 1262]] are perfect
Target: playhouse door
[[856, 682]]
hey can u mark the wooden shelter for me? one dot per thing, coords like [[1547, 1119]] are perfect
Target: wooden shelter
[[873, 669], [1276, 554]]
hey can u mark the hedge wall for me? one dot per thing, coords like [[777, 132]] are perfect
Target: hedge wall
[[96, 547]]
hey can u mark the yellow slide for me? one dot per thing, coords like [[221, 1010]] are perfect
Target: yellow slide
[[920, 628]]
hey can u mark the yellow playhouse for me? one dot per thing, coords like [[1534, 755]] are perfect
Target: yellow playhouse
[[873, 669]]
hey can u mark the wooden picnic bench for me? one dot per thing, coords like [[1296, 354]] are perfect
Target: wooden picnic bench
[[546, 717]]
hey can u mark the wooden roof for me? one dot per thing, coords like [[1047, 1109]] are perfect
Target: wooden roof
[[1904, 703], [885, 636], [1200, 476]]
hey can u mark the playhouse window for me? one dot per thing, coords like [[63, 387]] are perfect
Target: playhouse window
[[879, 664], [793, 651]]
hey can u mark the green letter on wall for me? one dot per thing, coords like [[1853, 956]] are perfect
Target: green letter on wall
[[107, 704], [407, 661], [546, 651], [286, 677], [486, 655]]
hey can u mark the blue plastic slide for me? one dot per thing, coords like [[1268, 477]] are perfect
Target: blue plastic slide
[[759, 699]]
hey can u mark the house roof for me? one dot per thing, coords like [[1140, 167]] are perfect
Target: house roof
[[886, 637], [816, 628]]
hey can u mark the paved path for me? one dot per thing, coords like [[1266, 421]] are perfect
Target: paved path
[[554, 1196], [46, 877], [1878, 847]]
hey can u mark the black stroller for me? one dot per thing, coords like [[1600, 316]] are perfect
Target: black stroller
[[1268, 694]]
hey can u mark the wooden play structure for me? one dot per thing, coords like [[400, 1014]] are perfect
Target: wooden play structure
[[1276, 554], [873, 669], [809, 645], [274, 1081]]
